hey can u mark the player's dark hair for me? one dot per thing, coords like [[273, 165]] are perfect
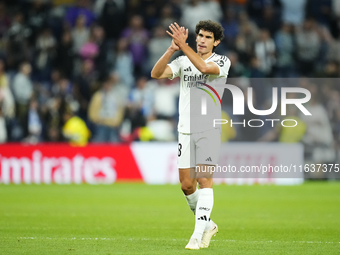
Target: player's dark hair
[[211, 26]]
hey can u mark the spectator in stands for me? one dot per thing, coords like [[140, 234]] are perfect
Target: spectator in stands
[[270, 20], [237, 69], [45, 51], [142, 97], [33, 123], [165, 100], [106, 111], [264, 49], [213, 10], [333, 53], [111, 17], [192, 14], [75, 130], [37, 16], [176, 8], [6, 97], [285, 49], [336, 7], [150, 16], [293, 12], [53, 119], [81, 7], [65, 55], [122, 62], [326, 40], [62, 87], [19, 27], [65, 90], [195, 10], [7, 106], [3, 128], [99, 6], [321, 10], [80, 33], [260, 86], [5, 20], [333, 107], [308, 47], [140, 106], [255, 68], [255, 8], [166, 16], [318, 139], [331, 100], [157, 45], [101, 60], [17, 46], [89, 50], [56, 75], [137, 37], [84, 84], [23, 89], [245, 40], [231, 27]]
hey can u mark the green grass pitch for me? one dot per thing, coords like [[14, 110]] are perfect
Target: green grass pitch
[[149, 219]]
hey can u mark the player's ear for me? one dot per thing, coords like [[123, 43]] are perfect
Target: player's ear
[[217, 42]]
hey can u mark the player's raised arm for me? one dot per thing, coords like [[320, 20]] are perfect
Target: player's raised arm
[[180, 39], [161, 69]]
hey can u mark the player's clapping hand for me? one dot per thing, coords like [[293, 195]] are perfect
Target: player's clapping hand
[[174, 46], [179, 35]]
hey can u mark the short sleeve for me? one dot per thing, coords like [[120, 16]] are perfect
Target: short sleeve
[[223, 64], [176, 68]]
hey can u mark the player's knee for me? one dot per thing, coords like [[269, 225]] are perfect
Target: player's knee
[[205, 183], [187, 187]]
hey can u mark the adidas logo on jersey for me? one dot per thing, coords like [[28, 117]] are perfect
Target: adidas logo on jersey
[[208, 159], [188, 69]]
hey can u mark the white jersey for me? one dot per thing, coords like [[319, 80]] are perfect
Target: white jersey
[[199, 99]]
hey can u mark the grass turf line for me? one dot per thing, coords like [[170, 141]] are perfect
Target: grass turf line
[[149, 219]]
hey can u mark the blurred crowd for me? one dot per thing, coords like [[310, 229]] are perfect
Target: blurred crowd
[[79, 70]]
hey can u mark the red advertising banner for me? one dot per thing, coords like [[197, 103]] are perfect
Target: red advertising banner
[[64, 164], [152, 163]]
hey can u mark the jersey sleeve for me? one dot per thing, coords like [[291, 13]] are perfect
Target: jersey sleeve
[[223, 64], [175, 66]]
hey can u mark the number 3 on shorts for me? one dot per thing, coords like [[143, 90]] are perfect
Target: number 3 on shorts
[[179, 149]]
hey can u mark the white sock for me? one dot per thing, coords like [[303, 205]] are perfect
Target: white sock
[[192, 200], [209, 225], [203, 210]]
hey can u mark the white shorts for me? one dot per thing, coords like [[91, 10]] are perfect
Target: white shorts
[[199, 148]]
